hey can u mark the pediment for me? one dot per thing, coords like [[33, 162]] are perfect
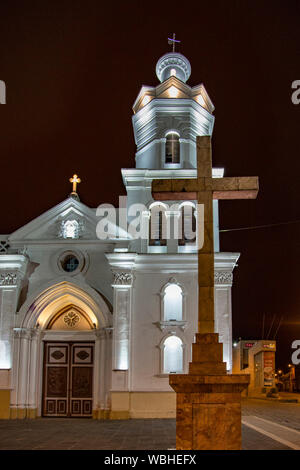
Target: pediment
[[69, 218], [173, 88]]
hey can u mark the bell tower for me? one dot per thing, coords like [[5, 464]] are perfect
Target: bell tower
[[167, 118], [166, 121]]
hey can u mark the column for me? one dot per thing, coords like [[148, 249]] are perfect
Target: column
[[145, 231], [102, 374], [107, 384], [172, 219], [12, 271], [121, 319], [22, 339], [33, 373], [223, 314]]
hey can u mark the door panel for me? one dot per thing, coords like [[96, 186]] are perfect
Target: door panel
[[82, 379], [68, 379]]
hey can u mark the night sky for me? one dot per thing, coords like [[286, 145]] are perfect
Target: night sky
[[73, 70]]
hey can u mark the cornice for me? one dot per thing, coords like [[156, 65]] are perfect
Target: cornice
[[182, 263], [145, 176], [13, 262]]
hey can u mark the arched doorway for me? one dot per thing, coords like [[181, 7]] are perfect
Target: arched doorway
[[62, 354], [68, 367]]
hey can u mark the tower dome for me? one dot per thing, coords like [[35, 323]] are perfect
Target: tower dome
[[173, 64]]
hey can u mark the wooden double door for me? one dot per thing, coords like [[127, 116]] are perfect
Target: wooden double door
[[68, 379]]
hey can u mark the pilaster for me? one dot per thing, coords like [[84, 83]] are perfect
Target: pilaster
[[223, 320], [22, 381], [12, 271], [122, 285]]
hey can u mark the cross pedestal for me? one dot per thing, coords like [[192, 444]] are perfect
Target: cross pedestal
[[208, 400]]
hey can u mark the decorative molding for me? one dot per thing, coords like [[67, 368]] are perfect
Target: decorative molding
[[8, 279], [122, 279], [172, 280], [108, 332], [63, 224], [223, 277], [171, 325], [4, 246], [71, 318], [24, 333]]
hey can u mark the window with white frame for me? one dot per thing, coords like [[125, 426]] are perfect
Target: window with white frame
[[187, 221], [172, 355], [157, 226], [172, 148], [172, 303]]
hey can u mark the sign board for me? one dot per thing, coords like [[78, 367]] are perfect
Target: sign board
[[269, 368]]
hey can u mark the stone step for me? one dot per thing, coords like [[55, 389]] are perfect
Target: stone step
[[207, 338], [207, 368], [202, 352]]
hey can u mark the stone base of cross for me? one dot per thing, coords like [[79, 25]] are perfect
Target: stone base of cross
[[208, 415]]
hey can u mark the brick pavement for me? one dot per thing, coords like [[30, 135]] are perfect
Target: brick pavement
[[148, 434]]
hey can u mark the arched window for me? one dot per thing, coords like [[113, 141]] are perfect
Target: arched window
[[157, 226], [172, 148], [172, 303], [172, 355], [187, 221]]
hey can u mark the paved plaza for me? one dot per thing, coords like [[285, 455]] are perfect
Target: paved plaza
[[270, 426]]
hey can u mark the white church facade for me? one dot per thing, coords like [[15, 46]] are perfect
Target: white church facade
[[90, 326]]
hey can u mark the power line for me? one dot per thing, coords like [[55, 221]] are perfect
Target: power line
[[259, 226]]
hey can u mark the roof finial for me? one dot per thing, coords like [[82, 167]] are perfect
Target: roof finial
[[74, 180], [173, 41]]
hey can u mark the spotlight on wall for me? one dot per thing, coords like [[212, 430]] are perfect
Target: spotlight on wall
[[146, 100], [200, 100], [173, 92]]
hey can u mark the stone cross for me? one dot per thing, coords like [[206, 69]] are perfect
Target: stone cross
[[204, 189], [173, 41], [75, 180], [208, 400]]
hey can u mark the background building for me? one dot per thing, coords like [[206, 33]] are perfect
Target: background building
[[256, 358]]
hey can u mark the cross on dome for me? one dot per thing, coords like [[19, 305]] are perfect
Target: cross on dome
[[173, 41], [173, 64]]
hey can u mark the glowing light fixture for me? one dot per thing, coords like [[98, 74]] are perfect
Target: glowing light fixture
[[146, 100], [173, 92], [200, 100]]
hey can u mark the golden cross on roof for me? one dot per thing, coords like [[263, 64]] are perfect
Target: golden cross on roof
[[75, 180]]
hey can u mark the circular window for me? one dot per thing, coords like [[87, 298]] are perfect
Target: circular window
[[70, 263]]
